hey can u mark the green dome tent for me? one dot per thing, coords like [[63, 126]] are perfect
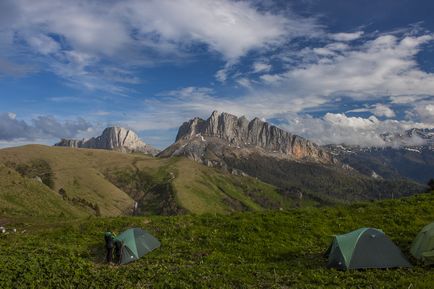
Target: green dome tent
[[136, 243], [422, 247], [364, 248]]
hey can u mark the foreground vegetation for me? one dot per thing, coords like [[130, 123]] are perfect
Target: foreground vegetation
[[273, 249]]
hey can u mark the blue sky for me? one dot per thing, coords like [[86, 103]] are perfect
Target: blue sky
[[332, 71]]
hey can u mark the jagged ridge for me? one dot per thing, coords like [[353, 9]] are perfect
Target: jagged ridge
[[240, 132]]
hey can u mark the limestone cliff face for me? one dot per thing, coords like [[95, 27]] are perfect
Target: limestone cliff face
[[112, 138], [198, 138]]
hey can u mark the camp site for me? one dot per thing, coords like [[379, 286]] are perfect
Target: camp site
[[216, 144], [241, 250]]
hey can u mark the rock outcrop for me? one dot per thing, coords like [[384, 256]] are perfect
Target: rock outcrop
[[112, 138], [206, 140]]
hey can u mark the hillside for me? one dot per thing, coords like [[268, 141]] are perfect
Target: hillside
[[280, 249], [326, 184], [110, 182], [416, 163], [29, 197]]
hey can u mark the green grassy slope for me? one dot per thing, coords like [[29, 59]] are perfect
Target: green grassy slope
[[206, 190], [113, 180], [326, 184], [28, 197], [394, 163], [280, 249]]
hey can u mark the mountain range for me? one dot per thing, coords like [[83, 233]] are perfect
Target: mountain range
[[406, 155], [290, 162], [220, 164]]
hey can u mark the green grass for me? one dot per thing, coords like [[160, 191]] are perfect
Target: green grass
[[87, 175], [269, 249], [28, 197]]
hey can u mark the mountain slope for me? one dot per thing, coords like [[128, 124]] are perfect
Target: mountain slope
[[296, 165], [29, 197], [405, 155], [416, 163], [114, 181]]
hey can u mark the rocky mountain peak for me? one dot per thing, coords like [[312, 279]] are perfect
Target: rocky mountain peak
[[240, 132], [409, 138], [112, 138]]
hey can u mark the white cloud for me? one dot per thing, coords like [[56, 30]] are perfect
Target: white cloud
[[384, 67], [43, 44], [222, 74], [340, 128], [378, 109], [261, 67], [271, 78], [346, 36], [39, 128], [131, 33], [341, 120], [229, 27], [245, 82], [423, 111], [383, 110]]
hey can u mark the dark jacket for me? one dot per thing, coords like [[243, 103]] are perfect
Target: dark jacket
[[118, 251]]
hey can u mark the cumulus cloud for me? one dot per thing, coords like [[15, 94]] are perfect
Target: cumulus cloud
[[423, 111], [41, 127], [384, 66], [383, 110], [338, 128], [77, 38], [378, 109], [229, 27]]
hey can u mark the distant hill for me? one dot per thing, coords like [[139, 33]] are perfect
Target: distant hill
[[89, 180], [112, 138], [407, 155], [290, 162]]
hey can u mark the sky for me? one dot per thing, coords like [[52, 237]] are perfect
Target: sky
[[333, 71]]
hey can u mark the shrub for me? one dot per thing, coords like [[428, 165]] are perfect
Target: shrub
[[37, 168]]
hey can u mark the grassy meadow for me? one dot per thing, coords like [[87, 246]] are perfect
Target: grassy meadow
[[267, 249]]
